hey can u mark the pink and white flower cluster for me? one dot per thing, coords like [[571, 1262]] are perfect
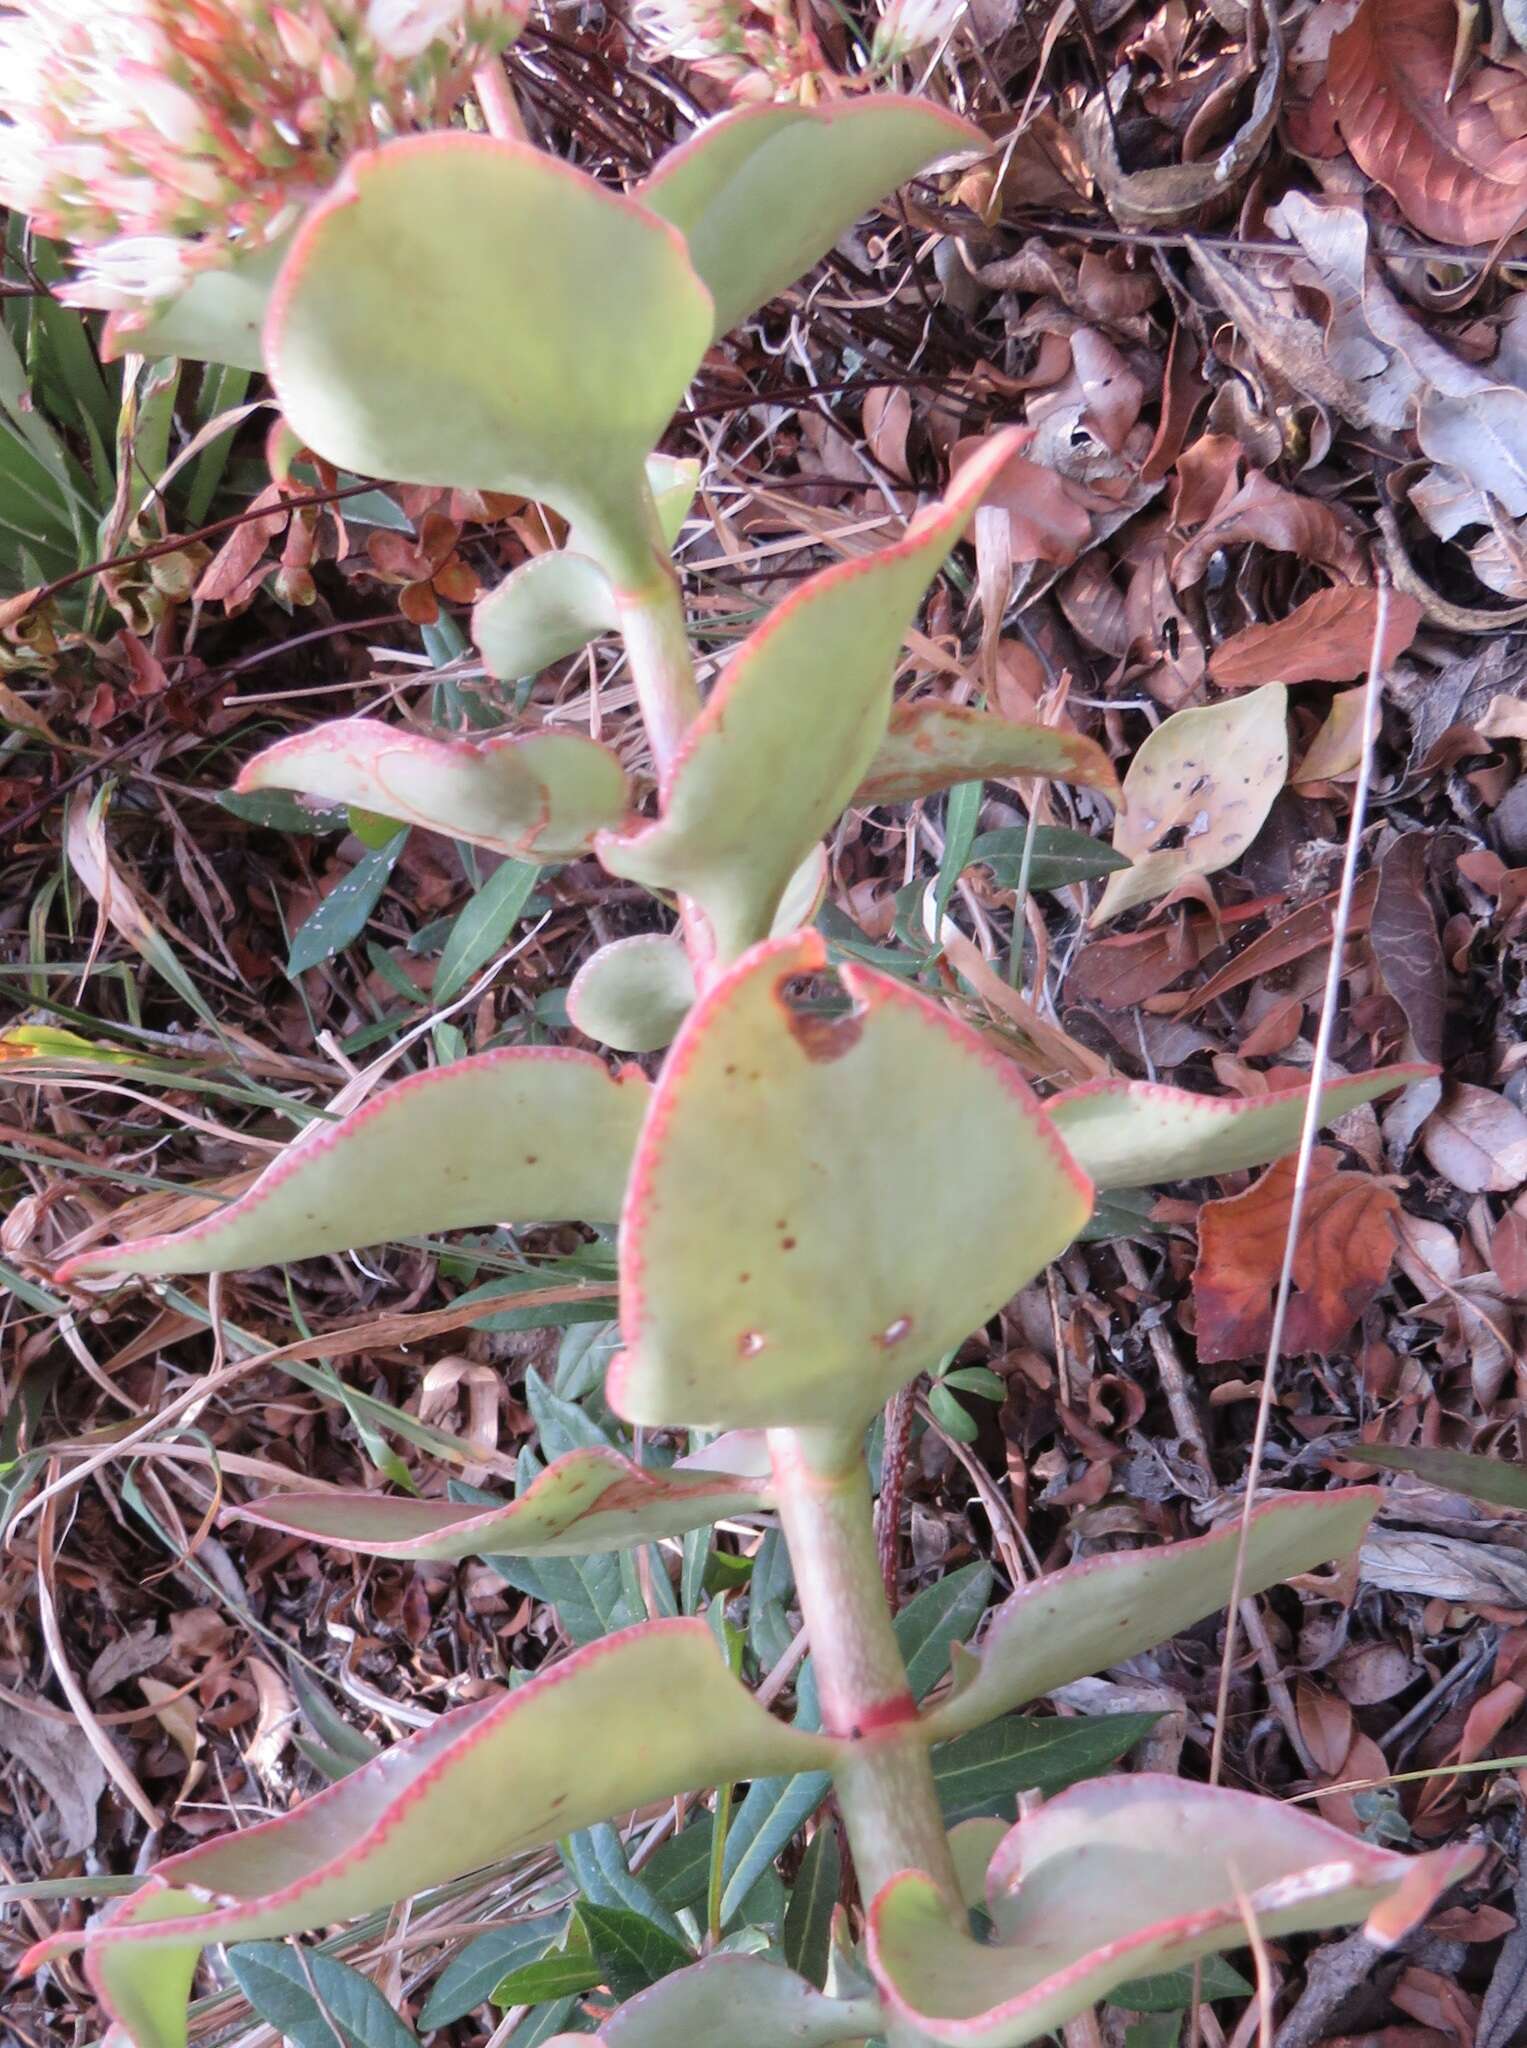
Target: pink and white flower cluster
[[162, 137]]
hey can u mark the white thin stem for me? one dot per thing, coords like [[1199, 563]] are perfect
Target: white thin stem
[[1340, 925]]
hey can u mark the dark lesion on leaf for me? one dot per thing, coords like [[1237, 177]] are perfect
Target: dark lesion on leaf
[[822, 1020]]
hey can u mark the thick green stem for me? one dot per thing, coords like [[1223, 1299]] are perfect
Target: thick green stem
[[657, 647], [663, 670], [885, 1786]]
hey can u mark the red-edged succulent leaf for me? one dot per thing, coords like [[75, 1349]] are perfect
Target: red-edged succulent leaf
[[544, 794], [929, 745], [824, 1203], [791, 727], [734, 2002], [468, 311], [1131, 1134], [638, 1716], [761, 194], [556, 603], [591, 1500], [1127, 1877], [1093, 1615], [1454, 159], [528, 1134], [633, 994]]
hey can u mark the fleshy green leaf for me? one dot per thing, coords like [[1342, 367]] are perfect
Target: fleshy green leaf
[[1131, 1134], [1093, 1615], [543, 611], [545, 793], [790, 728], [504, 1774], [550, 329], [585, 1502], [930, 745], [414, 1159], [730, 2000], [554, 604], [1196, 795], [1123, 1877], [822, 1205], [760, 195], [1489, 1479], [633, 994], [218, 318]]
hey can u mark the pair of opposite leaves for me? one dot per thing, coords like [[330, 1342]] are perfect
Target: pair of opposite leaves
[[817, 1200], [467, 312], [1112, 1880]]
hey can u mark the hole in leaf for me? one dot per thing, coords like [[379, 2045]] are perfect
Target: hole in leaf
[[823, 1021]]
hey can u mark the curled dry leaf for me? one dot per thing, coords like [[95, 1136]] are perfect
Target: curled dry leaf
[[1477, 1140], [1327, 639], [1455, 162], [1295, 525], [1166, 195], [1196, 795], [1346, 1243]]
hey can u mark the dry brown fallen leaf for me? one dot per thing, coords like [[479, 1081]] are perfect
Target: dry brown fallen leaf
[[1327, 639], [1346, 1244], [1477, 1140], [1455, 163]]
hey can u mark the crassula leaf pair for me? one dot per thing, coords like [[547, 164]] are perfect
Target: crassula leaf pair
[[519, 1768]]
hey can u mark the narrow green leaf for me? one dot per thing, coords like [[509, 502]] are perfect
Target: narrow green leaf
[[770, 1814], [981, 1773], [562, 1974], [945, 1612], [1488, 1479], [807, 1933], [274, 1976], [1172, 1991], [470, 1979], [632, 1952], [596, 1861], [675, 1872], [483, 927], [1060, 856], [962, 813], [344, 912]]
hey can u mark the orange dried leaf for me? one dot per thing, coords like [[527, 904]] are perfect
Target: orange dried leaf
[[1327, 639], [1346, 1243], [1454, 162]]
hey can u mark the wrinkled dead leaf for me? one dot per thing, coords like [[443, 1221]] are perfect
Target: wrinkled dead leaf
[[1477, 1140], [1454, 163], [57, 1755], [1346, 1244], [1196, 795]]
